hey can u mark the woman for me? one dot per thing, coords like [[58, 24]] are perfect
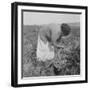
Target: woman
[[48, 40]]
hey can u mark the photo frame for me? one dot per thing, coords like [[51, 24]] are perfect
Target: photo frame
[[48, 44]]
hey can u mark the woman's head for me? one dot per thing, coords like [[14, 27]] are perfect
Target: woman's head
[[65, 29]]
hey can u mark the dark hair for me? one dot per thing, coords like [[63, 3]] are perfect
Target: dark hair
[[65, 29]]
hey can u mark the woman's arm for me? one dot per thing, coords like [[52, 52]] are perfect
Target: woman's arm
[[45, 34]]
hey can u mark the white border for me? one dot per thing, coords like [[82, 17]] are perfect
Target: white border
[[52, 78]]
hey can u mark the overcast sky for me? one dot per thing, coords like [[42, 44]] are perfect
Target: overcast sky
[[38, 18]]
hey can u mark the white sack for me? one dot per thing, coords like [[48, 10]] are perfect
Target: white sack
[[43, 52]]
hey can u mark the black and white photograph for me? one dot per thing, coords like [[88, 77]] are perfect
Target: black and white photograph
[[50, 44]]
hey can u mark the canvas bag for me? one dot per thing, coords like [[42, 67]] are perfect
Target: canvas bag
[[43, 51]]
